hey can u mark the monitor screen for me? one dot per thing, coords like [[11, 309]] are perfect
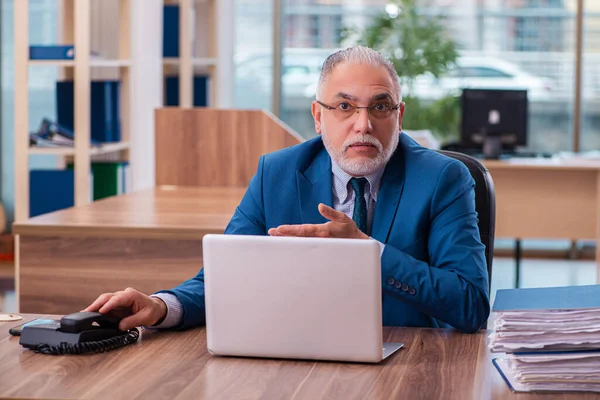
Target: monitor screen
[[494, 113]]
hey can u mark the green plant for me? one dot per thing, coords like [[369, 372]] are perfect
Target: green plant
[[441, 117], [416, 45]]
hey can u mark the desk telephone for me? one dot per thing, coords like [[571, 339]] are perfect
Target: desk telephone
[[77, 333]]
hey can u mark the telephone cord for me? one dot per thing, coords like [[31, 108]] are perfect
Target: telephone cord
[[98, 346]]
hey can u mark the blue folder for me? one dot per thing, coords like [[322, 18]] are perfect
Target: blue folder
[[200, 91], [105, 120], [548, 298], [56, 52], [171, 30]]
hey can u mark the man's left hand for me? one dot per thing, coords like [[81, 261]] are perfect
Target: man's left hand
[[339, 226]]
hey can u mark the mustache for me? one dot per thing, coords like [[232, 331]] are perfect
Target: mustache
[[362, 139]]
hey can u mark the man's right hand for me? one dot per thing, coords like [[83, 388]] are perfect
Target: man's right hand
[[136, 308]]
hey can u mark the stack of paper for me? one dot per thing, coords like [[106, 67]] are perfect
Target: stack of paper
[[551, 337], [578, 371], [546, 330]]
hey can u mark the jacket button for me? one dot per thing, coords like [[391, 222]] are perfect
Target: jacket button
[[390, 281], [404, 287], [398, 284], [412, 291]]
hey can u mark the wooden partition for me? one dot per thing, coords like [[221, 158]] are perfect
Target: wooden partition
[[211, 147]]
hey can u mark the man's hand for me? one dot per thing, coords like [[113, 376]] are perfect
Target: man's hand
[[134, 307], [339, 226]]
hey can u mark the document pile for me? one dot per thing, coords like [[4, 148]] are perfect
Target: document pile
[[551, 337], [52, 134]]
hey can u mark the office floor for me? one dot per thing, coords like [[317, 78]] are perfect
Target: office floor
[[534, 273]]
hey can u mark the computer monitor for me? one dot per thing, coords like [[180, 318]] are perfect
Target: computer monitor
[[494, 120]]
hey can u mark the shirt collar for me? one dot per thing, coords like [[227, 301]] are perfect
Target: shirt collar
[[342, 178]]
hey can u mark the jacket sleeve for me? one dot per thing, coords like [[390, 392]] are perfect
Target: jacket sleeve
[[453, 288], [248, 219]]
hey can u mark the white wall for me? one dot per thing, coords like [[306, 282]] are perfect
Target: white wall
[[146, 88]]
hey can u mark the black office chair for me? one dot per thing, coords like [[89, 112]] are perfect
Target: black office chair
[[485, 203]]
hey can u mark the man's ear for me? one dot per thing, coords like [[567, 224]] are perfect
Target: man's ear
[[401, 116], [316, 111]]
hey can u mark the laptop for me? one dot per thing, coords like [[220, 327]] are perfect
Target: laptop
[[294, 298]]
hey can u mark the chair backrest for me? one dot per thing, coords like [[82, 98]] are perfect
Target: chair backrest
[[485, 202]]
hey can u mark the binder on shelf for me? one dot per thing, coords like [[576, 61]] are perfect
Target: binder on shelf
[[54, 52], [110, 178], [171, 30], [105, 124], [52, 190], [200, 91]]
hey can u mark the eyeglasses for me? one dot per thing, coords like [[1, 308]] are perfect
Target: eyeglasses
[[344, 109]]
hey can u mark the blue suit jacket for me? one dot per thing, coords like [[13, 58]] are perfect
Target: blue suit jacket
[[433, 266]]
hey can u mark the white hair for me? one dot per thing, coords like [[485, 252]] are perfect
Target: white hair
[[357, 55]]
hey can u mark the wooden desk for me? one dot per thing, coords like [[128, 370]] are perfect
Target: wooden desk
[[149, 240], [547, 199], [435, 364]]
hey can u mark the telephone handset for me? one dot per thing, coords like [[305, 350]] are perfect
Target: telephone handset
[[77, 333]]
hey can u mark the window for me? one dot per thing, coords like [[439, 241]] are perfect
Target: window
[[514, 44], [525, 44], [291, 70], [482, 72], [590, 95], [253, 54]]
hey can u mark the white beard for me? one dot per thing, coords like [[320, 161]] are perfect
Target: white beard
[[360, 167]]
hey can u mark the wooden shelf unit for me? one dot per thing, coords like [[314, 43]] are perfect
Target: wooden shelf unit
[[107, 148], [76, 28], [99, 63], [194, 54]]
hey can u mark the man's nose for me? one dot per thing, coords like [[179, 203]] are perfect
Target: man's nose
[[362, 122]]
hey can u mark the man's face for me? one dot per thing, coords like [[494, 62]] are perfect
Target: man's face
[[359, 143]]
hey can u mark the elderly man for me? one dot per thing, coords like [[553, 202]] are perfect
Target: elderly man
[[360, 178]]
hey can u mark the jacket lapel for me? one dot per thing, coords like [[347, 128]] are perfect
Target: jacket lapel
[[314, 187], [390, 191]]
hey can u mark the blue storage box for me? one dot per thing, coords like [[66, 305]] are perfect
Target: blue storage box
[[171, 30], [104, 108], [61, 52], [200, 91], [50, 190]]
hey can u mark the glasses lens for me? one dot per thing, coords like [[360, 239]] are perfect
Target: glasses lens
[[344, 110], [381, 110]]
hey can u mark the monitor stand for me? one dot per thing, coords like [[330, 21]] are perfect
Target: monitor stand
[[492, 147]]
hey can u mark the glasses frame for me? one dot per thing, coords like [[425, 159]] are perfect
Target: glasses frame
[[369, 108]]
